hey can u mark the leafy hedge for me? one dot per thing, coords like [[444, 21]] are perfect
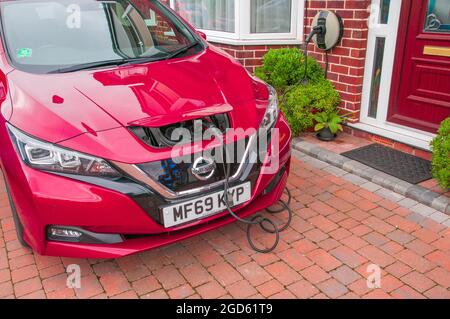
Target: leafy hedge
[[304, 101], [283, 68], [441, 155]]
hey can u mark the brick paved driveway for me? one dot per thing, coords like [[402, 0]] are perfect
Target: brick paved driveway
[[337, 231]]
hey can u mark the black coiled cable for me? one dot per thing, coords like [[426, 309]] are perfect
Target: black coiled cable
[[260, 220]]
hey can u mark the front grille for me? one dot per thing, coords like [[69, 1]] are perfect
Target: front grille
[[176, 174], [164, 137]]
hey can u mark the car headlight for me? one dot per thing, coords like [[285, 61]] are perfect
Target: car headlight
[[272, 111], [48, 157]]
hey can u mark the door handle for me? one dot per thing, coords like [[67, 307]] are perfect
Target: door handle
[[436, 51]]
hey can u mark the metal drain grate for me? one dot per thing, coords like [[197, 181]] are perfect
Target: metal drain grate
[[406, 167]]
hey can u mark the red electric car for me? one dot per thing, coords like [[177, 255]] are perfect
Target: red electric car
[[91, 94]]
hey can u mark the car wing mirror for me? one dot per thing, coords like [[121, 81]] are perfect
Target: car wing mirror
[[202, 35]]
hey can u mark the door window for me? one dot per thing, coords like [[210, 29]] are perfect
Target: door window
[[438, 16]]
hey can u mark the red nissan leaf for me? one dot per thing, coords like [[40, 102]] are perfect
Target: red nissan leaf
[[105, 106]]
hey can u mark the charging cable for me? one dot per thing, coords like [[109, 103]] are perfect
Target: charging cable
[[265, 223]]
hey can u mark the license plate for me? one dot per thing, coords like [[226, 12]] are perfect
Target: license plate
[[205, 206]]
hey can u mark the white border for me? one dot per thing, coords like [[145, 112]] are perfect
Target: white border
[[380, 126]]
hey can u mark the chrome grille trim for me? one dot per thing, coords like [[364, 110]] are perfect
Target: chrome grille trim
[[135, 172]]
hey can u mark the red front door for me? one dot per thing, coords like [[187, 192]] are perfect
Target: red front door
[[420, 95]]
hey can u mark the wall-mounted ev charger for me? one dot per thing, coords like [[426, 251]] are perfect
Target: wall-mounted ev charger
[[327, 30]]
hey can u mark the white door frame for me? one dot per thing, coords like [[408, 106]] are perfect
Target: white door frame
[[379, 125]]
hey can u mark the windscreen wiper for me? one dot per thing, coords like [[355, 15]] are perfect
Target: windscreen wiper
[[182, 50], [91, 65]]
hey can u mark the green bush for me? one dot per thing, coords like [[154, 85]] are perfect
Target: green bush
[[441, 155], [304, 100], [283, 68]]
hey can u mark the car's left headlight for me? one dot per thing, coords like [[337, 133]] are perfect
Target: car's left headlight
[[272, 112], [48, 157]]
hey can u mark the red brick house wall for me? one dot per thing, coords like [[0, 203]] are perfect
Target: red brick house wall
[[347, 60]]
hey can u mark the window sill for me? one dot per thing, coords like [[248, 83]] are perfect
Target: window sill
[[219, 40]]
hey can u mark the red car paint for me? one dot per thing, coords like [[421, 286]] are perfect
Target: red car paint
[[89, 111]]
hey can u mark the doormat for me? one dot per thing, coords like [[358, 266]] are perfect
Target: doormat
[[404, 166]]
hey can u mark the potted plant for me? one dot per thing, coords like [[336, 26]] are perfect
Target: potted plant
[[328, 124]]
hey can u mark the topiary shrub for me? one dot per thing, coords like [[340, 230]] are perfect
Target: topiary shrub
[[283, 68], [304, 100], [441, 155]]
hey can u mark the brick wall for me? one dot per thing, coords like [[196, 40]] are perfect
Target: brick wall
[[250, 56], [346, 61]]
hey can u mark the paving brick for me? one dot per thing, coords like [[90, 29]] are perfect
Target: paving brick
[[6, 289], [114, 283], [195, 274], [376, 239], [418, 281], [345, 275], [90, 287], [329, 244], [442, 243], [181, 292], [402, 223], [211, 290], [440, 258], [225, 274], [376, 255], [406, 292], [322, 208], [377, 294], [238, 258], [316, 235], [426, 235], [169, 277], [348, 256], [241, 289], [27, 286], [159, 294], [325, 260], [378, 225], [254, 273], [284, 295], [440, 276], [354, 242], [283, 273], [390, 283], [303, 289], [400, 237], [322, 223], [146, 285], [415, 261], [419, 247], [304, 246], [340, 233], [332, 288], [315, 274], [24, 273], [438, 292], [391, 247], [270, 288]]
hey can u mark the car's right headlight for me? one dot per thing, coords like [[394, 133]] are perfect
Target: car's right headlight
[[48, 157], [272, 112]]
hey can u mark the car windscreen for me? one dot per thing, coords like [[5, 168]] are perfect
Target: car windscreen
[[44, 36]]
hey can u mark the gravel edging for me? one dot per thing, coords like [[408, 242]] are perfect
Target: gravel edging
[[415, 192]]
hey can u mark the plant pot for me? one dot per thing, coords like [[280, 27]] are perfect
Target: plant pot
[[326, 135]]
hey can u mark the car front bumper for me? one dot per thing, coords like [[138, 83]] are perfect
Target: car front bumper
[[44, 199]]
